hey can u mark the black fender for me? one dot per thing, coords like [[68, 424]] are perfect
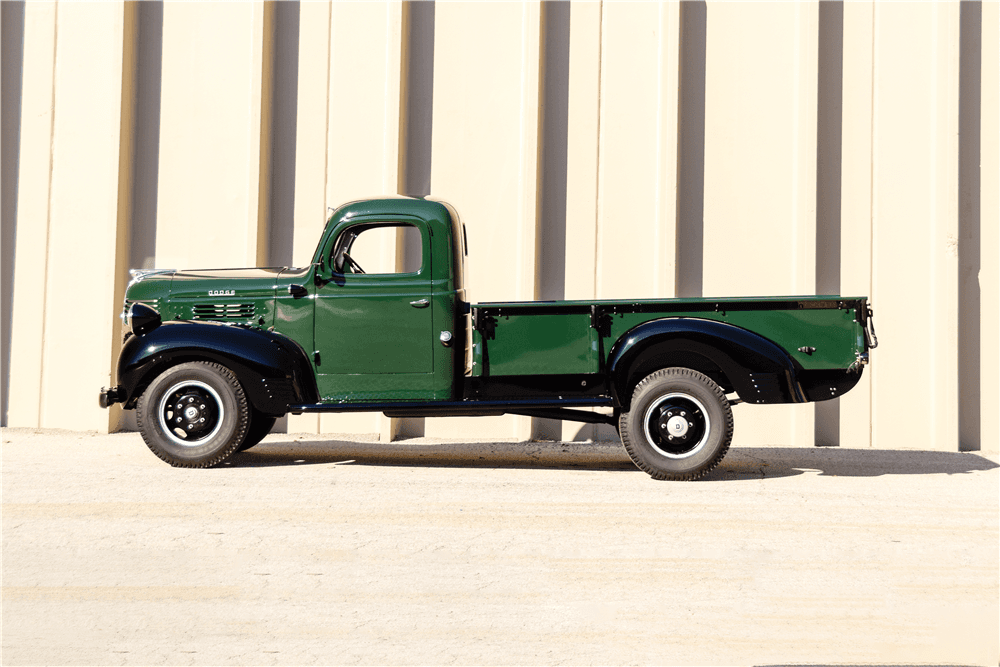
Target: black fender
[[273, 369], [758, 370]]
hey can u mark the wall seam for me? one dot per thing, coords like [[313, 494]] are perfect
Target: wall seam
[[519, 226], [679, 54], [796, 157], [600, 138], [326, 131], [265, 145], [871, 211], [936, 226], [658, 254], [8, 271], [540, 111], [126, 179], [250, 240], [385, 105], [48, 216]]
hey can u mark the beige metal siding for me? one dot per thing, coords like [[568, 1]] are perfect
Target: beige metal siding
[[594, 149]]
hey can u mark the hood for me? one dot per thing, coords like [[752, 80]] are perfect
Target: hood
[[149, 285], [203, 283], [232, 295]]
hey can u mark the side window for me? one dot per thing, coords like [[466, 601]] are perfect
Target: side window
[[378, 249]]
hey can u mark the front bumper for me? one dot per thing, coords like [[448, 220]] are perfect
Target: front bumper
[[109, 397]]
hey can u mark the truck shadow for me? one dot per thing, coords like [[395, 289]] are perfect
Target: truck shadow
[[741, 463], [554, 455], [766, 462]]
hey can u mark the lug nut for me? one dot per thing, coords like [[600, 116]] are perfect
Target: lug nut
[[683, 414], [178, 419]]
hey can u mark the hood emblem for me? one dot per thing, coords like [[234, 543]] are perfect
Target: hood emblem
[[221, 292]]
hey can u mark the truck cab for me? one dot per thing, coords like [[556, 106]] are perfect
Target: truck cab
[[378, 325]]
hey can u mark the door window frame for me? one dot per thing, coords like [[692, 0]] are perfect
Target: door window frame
[[339, 238]]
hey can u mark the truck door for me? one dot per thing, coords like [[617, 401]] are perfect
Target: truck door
[[374, 328]]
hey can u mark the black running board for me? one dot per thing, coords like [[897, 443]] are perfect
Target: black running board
[[546, 409]]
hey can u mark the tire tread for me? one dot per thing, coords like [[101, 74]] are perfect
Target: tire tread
[[720, 396], [242, 406]]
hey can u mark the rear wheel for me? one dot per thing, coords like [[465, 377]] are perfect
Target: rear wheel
[[194, 415], [679, 426]]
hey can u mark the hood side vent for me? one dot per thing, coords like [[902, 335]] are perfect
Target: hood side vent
[[222, 311]]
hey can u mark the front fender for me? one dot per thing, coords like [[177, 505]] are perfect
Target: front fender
[[273, 369], [759, 370]]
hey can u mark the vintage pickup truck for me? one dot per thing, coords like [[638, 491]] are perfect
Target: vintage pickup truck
[[210, 358]]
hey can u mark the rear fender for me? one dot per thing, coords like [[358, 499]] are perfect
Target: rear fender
[[273, 369], [757, 370]]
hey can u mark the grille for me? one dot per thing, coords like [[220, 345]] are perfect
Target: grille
[[222, 311]]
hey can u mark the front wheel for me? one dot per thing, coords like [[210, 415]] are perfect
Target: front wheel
[[194, 415], [260, 426], [679, 426]]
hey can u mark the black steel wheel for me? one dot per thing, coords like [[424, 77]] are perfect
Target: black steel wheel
[[679, 425], [260, 426], [194, 415]]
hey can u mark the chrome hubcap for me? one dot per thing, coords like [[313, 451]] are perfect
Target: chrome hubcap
[[677, 425], [191, 413]]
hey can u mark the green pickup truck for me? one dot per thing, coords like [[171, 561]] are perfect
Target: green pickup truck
[[210, 358]]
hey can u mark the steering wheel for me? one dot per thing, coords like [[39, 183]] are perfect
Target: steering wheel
[[355, 267]]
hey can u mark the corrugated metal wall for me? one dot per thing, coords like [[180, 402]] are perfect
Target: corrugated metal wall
[[595, 150]]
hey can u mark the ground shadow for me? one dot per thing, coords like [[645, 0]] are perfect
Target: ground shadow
[[905, 664], [553, 455], [740, 462], [842, 462]]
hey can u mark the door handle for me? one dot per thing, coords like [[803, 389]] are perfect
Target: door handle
[[423, 303]]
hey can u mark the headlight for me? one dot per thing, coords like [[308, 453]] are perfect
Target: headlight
[[141, 319]]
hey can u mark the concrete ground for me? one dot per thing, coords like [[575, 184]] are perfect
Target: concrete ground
[[312, 550]]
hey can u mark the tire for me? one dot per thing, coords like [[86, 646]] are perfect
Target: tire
[[260, 426], [679, 426], [194, 415]]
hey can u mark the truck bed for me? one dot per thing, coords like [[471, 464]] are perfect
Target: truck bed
[[573, 337]]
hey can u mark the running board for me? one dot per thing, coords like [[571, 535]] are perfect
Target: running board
[[546, 409]]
